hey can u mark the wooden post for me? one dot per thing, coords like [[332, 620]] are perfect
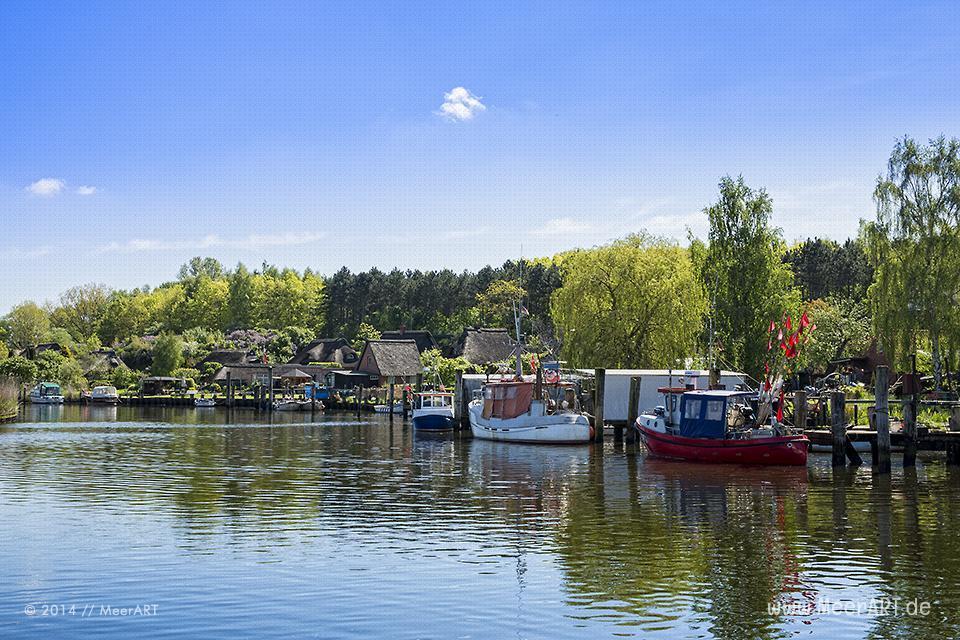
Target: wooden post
[[800, 409], [390, 382], [881, 463], [270, 373], [633, 409], [909, 430], [229, 389], [714, 380], [358, 397], [458, 399], [599, 384], [420, 383], [403, 399], [839, 428]]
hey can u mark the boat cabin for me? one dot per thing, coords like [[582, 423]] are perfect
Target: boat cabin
[[710, 413], [43, 389], [434, 399]]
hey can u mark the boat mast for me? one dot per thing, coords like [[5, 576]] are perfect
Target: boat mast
[[516, 322]]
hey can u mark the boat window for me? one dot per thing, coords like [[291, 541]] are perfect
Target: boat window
[[715, 410], [691, 408]]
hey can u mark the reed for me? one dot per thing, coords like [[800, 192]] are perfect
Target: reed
[[8, 399]]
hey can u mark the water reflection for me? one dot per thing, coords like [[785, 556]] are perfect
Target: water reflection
[[334, 515]]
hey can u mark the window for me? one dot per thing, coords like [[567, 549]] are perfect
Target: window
[[715, 410], [691, 409]]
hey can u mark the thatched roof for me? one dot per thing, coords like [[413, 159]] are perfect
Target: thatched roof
[[325, 350], [102, 359], [424, 339], [386, 358], [485, 345]]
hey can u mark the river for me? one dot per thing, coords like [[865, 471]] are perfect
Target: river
[[159, 523]]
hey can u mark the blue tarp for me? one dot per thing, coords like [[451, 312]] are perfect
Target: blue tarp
[[702, 417]]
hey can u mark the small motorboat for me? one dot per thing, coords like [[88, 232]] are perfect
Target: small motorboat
[[291, 404], [718, 426], [385, 408], [204, 403], [104, 394], [46, 393], [433, 411]]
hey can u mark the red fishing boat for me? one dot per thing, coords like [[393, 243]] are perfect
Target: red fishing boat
[[719, 426]]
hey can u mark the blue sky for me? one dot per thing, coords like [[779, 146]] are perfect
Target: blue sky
[[135, 136]]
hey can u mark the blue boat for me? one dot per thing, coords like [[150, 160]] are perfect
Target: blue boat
[[433, 411]]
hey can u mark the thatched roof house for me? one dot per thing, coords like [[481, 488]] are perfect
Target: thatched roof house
[[327, 350], [104, 360], [424, 339], [248, 374], [390, 359], [484, 345]]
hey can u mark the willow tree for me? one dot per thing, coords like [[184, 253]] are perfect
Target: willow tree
[[915, 249], [742, 269], [633, 303]]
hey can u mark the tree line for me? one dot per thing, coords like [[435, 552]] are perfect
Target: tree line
[[640, 301]]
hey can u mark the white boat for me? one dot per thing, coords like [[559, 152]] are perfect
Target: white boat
[[290, 404], [204, 402], [433, 411], [105, 394], [46, 393], [513, 411], [385, 408], [526, 410]]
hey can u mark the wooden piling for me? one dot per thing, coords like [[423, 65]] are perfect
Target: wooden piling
[[800, 409], [229, 388], [909, 430], [881, 462], [458, 399], [839, 427], [633, 409], [270, 407], [618, 431], [390, 401], [403, 400], [598, 389]]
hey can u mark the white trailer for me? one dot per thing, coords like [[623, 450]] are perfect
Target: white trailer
[[616, 395]]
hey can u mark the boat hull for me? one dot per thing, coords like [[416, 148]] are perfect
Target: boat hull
[[777, 451], [433, 422], [46, 399], [564, 428]]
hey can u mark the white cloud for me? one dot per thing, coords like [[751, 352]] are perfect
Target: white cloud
[[46, 187], [85, 190], [459, 105], [562, 226], [213, 241]]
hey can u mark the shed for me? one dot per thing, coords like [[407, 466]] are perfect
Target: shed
[[484, 345], [227, 356], [251, 374], [390, 359], [158, 385]]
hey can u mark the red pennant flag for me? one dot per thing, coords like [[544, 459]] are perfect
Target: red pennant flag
[[804, 320]]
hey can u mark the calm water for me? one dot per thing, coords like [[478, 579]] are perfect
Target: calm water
[[345, 529]]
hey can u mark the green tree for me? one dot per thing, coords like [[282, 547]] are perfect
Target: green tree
[[743, 273], [496, 302], [81, 310], [435, 364], [364, 333], [48, 364], [843, 329], [70, 375], [197, 267], [205, 304], [915, 250], [167, 354], [239, 312], [633, 303], [126, 316], [27, 325], [18, 368]]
